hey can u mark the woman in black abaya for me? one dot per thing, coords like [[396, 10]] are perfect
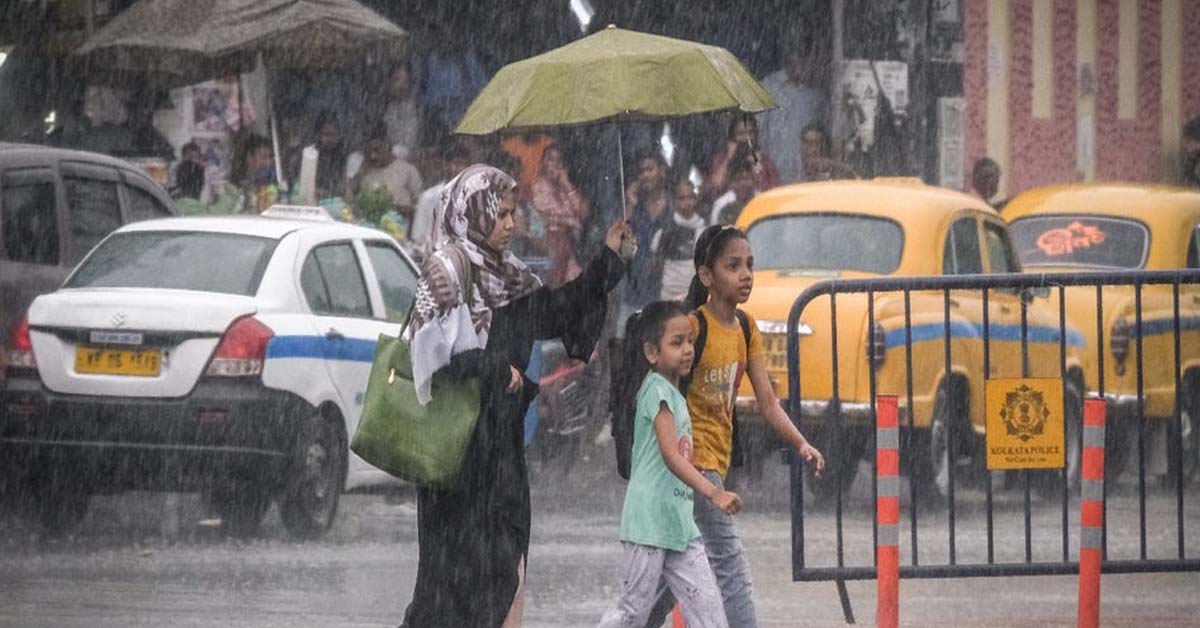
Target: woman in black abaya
[[474, 536]]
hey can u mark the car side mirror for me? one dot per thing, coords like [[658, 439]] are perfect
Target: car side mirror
[[1038, 292]]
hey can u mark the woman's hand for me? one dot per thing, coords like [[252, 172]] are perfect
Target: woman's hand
[[618, 234], [516, 383], [812, 455]]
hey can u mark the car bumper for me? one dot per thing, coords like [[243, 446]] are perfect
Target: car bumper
[[813, 411], [223, 430]]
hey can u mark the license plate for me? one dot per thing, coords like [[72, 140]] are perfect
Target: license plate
[[132, 362]]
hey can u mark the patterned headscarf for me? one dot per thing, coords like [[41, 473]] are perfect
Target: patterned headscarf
[[466, 215]]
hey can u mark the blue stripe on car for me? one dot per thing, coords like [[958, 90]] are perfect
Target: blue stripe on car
[[320, 347], [962, 329]]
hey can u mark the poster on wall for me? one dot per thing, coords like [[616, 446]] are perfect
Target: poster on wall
[[951, 114], [215, 107], [862, 81]]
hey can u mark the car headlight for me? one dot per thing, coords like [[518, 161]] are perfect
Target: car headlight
[[780, 328]]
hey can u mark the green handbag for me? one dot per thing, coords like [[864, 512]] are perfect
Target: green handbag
[[421, 444]]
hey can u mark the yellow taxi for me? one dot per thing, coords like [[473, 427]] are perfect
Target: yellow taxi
[[1112, 227], [806, 233]]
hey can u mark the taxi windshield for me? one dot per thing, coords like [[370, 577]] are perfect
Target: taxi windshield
[[827, 242], [177, 260], [1080, 240]]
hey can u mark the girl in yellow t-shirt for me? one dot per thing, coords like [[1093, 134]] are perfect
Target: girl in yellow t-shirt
[[733, 348]]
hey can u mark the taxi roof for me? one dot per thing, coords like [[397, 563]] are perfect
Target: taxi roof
[[908, 201], [261, 226], [1128, 200]]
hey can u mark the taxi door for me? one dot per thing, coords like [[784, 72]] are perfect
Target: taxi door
[[334, 282]]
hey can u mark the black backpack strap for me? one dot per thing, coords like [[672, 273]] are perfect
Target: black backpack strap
[[744, 321]]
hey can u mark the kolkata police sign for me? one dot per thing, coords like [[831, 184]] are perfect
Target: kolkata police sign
[[1024, 424]]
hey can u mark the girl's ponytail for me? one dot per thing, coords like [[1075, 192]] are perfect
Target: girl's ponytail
[[697, 294]]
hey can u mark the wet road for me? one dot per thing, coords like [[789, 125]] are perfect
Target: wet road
[[143, 560]]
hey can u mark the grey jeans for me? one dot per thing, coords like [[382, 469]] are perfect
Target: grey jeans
[[686, 573], [728, 563]]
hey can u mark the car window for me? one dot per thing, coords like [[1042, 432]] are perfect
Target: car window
[[30, 219], [177, 260], [999, 249], [345, 291], [1079, 240], [144, 205], [313, 286], [962, 256], [397, 281], [827, 242], [94, 210]]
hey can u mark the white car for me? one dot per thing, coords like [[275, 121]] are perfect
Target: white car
[[227, 355]]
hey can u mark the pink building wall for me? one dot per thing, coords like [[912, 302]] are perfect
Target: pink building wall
[[1129, 150], [1041, 150]]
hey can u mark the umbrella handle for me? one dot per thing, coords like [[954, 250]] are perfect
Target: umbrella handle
[[621, 172]]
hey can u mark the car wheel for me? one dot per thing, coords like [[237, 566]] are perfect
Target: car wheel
[[931, 456], [241, 507], [1189, 437], [841, 467], [317, 475], [1049, 483]]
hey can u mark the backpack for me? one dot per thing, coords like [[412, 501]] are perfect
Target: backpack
[[627, 390]]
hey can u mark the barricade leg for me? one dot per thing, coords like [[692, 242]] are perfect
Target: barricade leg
[[1091, 513], [887, 456]]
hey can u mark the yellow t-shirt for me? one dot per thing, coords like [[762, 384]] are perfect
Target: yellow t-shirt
[[713, 391]]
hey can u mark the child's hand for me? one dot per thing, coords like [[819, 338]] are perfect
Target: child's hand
[[813, 456], [727, 502]]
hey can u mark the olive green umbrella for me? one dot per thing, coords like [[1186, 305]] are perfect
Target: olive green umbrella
[[614, 75]]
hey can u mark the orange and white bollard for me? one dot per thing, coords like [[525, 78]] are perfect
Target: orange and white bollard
[[887, 506], [1091, 513]]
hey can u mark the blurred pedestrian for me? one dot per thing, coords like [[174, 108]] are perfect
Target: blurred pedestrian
[[741, 143], [985, 181], [563, 211], [1191, 153], [450, 76], [453, 160], [816, 149], [189, 173], [474, 535], [402, 114], [742, 188], [675, 244], [383, 170], [251, 187], [528, 148], [331, 157], [658, 531], [651, 207], [799, 104]]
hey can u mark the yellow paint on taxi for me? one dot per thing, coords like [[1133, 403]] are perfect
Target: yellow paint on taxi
[[1170, 219]]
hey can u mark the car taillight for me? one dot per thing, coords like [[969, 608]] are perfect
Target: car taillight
[[878, 346], [242, 349], [20, 347], [1118, 344]]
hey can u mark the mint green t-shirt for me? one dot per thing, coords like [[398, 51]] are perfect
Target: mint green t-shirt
[[658, 505]]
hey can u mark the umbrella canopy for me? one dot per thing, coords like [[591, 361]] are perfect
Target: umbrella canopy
[[614, 74], [188, 41]]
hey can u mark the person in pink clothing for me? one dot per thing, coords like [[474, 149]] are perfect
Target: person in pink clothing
[[563, 211], [741, 144]]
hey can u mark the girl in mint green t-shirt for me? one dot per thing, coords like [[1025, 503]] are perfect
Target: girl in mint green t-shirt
[[658, 532]]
